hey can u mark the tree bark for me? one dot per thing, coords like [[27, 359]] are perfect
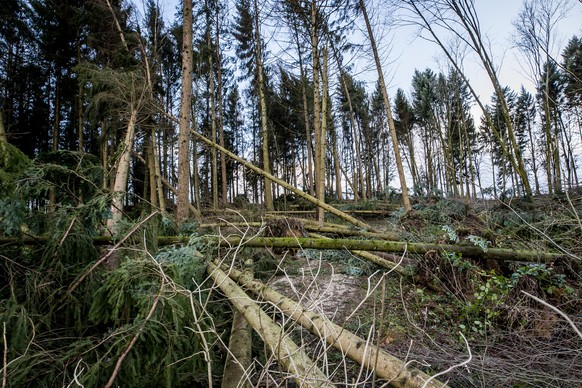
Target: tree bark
[[287, 353], [385, 365], [263, 105], [393, 246], [317, 119], [183, 194], [286, 185], [121, 175], [399, 165], [220, 112]]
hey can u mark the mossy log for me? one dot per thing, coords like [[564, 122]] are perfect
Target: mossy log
[[392, 246], [349, 244], [342, 230], [385, 365], [288, 354]]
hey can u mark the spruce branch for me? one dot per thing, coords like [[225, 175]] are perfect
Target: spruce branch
[[111, 251], [135, 337]]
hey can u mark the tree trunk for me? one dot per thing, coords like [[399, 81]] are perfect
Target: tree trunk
[[385, 365], [239, 357], [214, 161], [399, 166], [392, 246], [284, 184], [220, 112], [121, 175], [288, 354], [317, 119], [182, 212], [309, 173], [263, 104], [321, 173]]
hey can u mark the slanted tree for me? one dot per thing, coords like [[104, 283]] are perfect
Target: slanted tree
[[535, 29], [460, 18], [397, 158]]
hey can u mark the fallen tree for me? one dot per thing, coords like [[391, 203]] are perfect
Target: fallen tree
[[282, 183], [471, 251], [392, 246], [386, 366], [288, 354]]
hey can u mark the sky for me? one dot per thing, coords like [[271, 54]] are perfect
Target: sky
[[496, 17]]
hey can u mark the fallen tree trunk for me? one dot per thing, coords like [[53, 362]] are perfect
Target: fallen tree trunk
[[392, 246], [385, 365], [239, 358], [284, 184], [287, 353], [320, 243], [340, 229]]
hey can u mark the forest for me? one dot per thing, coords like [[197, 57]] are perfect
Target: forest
[[238, 197]]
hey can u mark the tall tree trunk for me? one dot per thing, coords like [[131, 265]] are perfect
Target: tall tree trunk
[[56, 130], [182, 212], [309, 173], [320, 187], [399, 165], [468, 20], [357, 172], [317, 127], [263, 106], [214, 161], [159, 187], [220, 111], [336, 166]]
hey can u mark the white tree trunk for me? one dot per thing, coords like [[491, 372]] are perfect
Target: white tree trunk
[[122, 172]]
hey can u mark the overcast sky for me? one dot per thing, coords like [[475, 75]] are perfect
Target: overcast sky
[[405, 52], [409, 52], [496, 18]]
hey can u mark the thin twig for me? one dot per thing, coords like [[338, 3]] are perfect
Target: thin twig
[[65, 235], [468, 360], [558, 246], [556, 310], [5, 367], [100, 261]]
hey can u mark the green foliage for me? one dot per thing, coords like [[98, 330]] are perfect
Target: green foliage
[[75, 176], [479, 241], [483, 303], [13, 163], [451, 233]]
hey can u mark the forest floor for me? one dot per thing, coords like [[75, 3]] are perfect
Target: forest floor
[[451, 310], [77, 313]]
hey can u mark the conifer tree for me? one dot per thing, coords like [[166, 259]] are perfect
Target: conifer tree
[[185, 109], [250, 52]]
